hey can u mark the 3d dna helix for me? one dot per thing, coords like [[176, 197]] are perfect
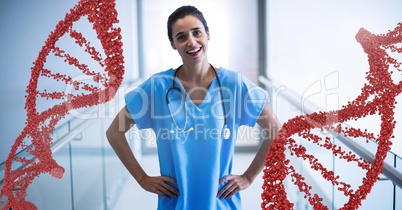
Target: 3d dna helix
[[377, 98], [103, 17]]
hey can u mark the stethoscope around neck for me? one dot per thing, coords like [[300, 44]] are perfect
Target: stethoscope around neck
[[225, 132]]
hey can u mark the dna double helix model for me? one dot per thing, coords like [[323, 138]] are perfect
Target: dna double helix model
[[103, 17], [378, 97]]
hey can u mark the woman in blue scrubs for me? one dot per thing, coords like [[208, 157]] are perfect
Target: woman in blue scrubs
[[195, 111]]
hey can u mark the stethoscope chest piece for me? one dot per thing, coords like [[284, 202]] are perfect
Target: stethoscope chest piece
[[225, 133]]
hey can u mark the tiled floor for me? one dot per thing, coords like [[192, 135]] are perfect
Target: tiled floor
[[134, 197]]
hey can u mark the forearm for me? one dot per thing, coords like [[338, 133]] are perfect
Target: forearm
[[257, 164], [117, 139], [122, 149], [269, 125]]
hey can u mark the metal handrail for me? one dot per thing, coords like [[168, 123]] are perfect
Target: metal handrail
[[58, 144], [70, 135], [293, 98], [61, 142]]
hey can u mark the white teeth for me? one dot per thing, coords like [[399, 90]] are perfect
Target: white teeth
[[195, 50]]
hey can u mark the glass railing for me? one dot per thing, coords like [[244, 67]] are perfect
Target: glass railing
[[383, 195], [93, 177]]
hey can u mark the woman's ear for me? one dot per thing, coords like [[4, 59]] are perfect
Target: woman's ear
[[208, 35], [172, 44]]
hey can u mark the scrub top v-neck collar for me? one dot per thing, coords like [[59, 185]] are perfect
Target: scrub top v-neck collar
[[208, 94]]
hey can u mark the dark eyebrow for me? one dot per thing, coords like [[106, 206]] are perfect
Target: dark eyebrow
[[193, 29]]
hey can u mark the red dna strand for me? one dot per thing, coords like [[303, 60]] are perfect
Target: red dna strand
[[102, 15], [377, 98]]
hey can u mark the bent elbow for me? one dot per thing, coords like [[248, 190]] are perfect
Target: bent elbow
[[110, 134]]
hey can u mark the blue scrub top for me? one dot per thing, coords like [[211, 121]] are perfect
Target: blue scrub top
[[196, 158]]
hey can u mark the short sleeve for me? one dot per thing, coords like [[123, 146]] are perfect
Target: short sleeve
[[138, 104], [253, 99]]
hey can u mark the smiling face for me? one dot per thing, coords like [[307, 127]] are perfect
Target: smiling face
[[190, 39]]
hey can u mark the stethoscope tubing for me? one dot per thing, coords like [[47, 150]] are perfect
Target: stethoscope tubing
[[184, 99]]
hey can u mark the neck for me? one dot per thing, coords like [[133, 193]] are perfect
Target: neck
[[196, 74]]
